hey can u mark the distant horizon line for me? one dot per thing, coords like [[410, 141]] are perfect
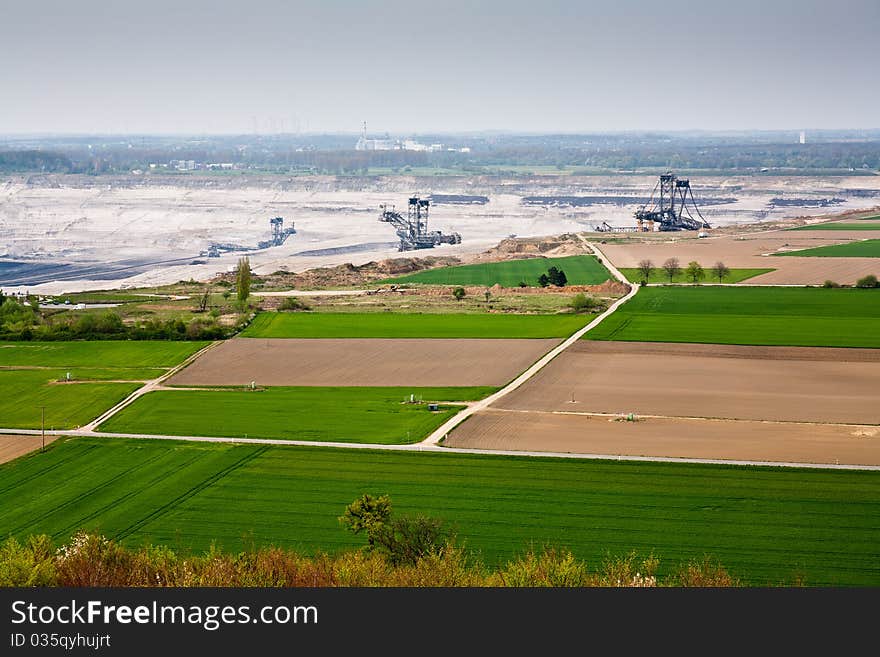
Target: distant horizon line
[[470, 132]]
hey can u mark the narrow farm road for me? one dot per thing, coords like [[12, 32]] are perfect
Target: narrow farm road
[[144, 389], [451, 423]]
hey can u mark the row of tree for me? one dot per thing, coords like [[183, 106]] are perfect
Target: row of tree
[[694, 271]]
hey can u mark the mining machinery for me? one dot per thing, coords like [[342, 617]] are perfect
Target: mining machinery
[[670, 210], [279, 233], [413, 229], [278, 236]]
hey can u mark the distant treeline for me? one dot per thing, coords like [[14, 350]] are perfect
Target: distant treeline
[[33, 160], [336, 154]]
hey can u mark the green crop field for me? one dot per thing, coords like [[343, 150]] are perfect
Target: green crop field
[[68, 405], [579, 270], [393, 325], [873, 217], [833, 226], [31, 375], [765, 525], [860, 249], [747, 315], [97, 354], [361, 415], [659, 276]]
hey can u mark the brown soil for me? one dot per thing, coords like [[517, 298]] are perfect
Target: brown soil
[[763, 383], [517, 248], [669, 437], [11, 447], [363, 362]]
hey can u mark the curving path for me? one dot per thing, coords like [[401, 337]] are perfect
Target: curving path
[[438, 435]]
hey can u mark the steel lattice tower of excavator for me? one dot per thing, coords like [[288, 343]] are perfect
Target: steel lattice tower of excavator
[[670, 209]]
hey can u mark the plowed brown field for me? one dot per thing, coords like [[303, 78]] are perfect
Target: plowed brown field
[[669, 437], [11, 447], [795, 384], [363, 362]]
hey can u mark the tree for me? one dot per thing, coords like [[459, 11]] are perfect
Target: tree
[[720, 270], [203, 301], [488, 294], [646, 268], [402, 540], [543, 280], [458, 293], [672, 268], [868, 281], [366, 514], [243, 279], [556, 277], [695, 271]]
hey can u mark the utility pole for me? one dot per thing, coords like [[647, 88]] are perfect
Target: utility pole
[[43, 428]]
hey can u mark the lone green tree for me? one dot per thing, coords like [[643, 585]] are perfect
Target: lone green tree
[[720, 271], [695, 272], [672, 268], [458, 293], [367, 514], [243, 279], [402, 540], [556, 277], [646, 268]]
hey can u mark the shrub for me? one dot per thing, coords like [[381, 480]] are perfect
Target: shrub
[[31, 564], [292, 303], [582, 303], [830, 283], [868, 281], [92, 560]]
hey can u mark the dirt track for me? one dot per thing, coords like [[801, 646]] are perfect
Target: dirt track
[[364, 362], [750, 383], [748, 251], [11, 447], [669, 437]]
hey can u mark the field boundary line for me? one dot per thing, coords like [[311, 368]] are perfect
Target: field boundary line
[[439, 434], [689, 418], [149, 386], [436, 449]]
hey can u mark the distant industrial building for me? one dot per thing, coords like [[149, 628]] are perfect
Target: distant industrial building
[[365, 143], [183, 165]]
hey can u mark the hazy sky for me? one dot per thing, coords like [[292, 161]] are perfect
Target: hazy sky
[[327, 65]]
